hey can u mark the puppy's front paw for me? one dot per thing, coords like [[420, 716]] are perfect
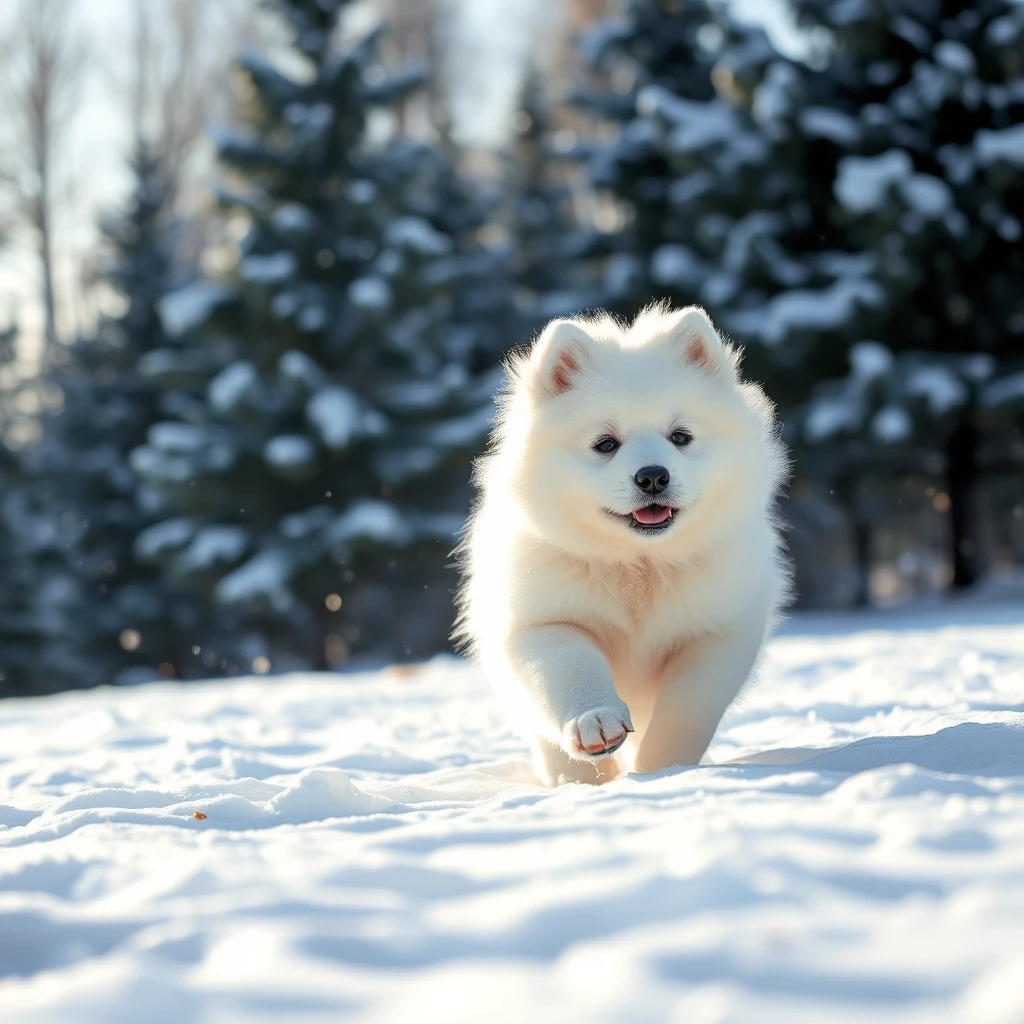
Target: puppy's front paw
[[597, 733]]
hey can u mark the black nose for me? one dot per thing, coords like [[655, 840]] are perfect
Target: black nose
[[652, 479]]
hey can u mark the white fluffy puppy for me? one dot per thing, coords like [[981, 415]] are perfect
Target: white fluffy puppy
[[623, 567]]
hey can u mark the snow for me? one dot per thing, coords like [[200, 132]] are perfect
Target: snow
[[362, 192], [152, 464], [289, 451], [335, 413], [978, 367], [862, 181], [213, 546], [268, 269], [312, 115], [774, 98], [1009, 228], [298, 368], [418, 235], [186, 308], [178, 438], [927, 90], [293, 217], [375, 848], [231, 386], [892, 423], [806, 309], [847, 12], [429, 393], [370, 293], [1006, 144], [696, 125], [957, 162], [1003, 391], [396, 465], [371, 520], [682, 191], [1003, 31], [835, 414], [161, 538], [621, 272], [470, 429], [929, 195], [912, 31], [941, 388], [264, 578], [312, 318], [870, 359], [826, 123], [675, 265], [955, 56], [303, 525]]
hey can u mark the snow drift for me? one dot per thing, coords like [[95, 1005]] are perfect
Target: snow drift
[[374, 847]]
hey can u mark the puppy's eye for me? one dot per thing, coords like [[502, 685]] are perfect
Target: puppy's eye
[[606, 445], [681, 438]]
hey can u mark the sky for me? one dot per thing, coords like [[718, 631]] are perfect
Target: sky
[[495, 39]]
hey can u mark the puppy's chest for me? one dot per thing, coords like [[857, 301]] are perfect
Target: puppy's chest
[[646, 615]]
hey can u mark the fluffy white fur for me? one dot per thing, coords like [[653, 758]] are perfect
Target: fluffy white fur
[[588, 626]]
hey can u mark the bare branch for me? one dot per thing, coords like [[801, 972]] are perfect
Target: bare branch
[[178, 78], [418, 32], [142, 68], [41, 86]]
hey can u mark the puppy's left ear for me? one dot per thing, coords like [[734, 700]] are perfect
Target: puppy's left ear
[[701, 345], [558, 357]]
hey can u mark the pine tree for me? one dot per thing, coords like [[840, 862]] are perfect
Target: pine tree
[[550, 265], [711, 183], [707, 165], [16, 634], [926, 171], [93, 613], [345, 369]]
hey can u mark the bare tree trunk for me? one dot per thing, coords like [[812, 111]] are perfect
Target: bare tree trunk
[[41, 85], [848, 488], [41, 220], [961, 448], [418, 34], [586, 12], [862, 556], [38, 113]]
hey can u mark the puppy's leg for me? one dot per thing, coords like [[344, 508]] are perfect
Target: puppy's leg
[[555, 766], [570, 686], [693, 698]]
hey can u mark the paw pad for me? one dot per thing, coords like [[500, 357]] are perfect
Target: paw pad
[[597, 733]]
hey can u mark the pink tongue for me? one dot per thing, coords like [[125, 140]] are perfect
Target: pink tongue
[[652, 514]]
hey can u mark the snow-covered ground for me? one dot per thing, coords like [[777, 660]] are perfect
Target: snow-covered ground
[[374, 848]]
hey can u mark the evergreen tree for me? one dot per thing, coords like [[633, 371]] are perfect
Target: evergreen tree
[[926, 170], [550, 265], [344, 370], [874, 193], [712, 183], [709, 169], [16, 636], [90, 612]]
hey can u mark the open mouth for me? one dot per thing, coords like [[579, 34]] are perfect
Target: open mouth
[[650, 518]]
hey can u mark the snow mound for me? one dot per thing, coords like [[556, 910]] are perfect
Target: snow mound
[[320, 793], [186, 308], [375, 847]]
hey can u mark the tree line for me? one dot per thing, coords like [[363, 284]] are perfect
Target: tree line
[[263, 465]]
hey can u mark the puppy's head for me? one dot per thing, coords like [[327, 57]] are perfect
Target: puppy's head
[[621, 440]]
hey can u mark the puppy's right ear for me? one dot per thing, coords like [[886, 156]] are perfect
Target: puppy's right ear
[[558, 357]]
